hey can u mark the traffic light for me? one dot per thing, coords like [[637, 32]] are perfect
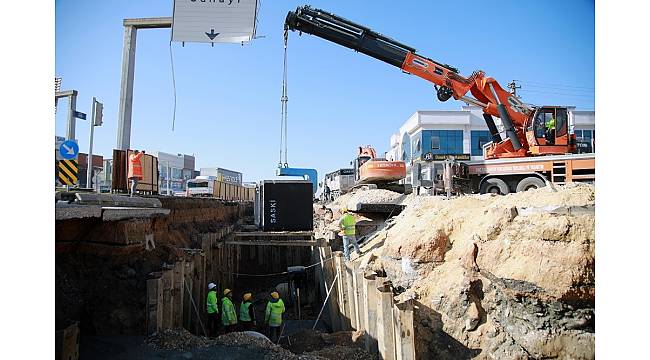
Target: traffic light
[[99, 112]]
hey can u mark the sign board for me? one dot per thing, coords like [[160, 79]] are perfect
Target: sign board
[[441, 157], [68, 172], [80, 115], [69, 149], [210, 21]]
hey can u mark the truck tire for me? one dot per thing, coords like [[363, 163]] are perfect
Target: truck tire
[[495, 186], [530, 182]]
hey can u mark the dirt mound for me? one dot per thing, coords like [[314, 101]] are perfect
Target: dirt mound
[[496, 276], [305, 341], [343, 353], [177, 339]]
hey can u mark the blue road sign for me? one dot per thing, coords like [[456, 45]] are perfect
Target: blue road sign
[[69, 149], [80, 115]]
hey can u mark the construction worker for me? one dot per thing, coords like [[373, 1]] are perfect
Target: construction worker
[[212, 309], [273, 315], [348, 225], [247, 313], [135, 169], [228, 315], [550, 130]]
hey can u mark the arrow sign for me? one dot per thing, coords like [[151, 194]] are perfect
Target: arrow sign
[[69, 149], [212, 34]]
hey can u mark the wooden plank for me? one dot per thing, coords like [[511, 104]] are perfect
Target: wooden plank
[[168, 284], [404, 330], [154, 291], [271, 243], [385, 327], [187, 293], [197, 292], [358, 296], [370, 303], [342, 292], [352, 305], [330, 273], [273, 233]]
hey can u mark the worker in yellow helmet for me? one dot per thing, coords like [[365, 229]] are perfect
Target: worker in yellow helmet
[[247, 313], [228, 315], [348, 225], [273, 315], [212, 310]]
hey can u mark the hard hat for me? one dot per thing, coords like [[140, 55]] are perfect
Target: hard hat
[[275, 295], [248, 296], [211, 286], [344, 209], [226, 292]]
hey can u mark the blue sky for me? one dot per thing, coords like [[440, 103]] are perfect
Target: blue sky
[[228, 96]]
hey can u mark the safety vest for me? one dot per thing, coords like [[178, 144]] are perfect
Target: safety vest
[[228, 316], [274, 310], [244, 315], [135, 166], [212, 302], [348, 223], [550, 124]]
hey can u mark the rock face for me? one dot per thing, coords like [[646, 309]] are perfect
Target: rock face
[[494, 279]]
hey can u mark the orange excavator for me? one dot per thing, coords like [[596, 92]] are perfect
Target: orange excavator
[[368, 169], [525, 126]]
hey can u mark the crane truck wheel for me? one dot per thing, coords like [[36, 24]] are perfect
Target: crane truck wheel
[[530, 182], [494, 186]]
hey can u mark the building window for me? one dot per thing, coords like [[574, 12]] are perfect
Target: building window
[[435, 143], [479, 138]]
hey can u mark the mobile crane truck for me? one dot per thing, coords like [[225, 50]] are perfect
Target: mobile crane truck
[[528, 156]]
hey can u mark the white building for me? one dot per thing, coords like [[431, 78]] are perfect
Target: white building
[[462, 133], [175, 170]]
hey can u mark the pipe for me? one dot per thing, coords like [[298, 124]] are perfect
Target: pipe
[[325, 302], [472, 101]]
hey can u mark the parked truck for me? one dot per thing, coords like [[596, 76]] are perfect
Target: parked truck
[[337, 183]]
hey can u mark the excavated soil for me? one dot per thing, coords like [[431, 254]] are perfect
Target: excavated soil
[[494, 277]]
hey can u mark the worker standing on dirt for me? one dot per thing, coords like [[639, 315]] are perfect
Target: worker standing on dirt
[[247, 313], [348, 225], [228, 315], [135, 169], [212, 309], [550, 130], [273, 316]]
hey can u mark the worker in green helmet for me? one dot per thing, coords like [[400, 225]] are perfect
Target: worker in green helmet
[[228, 315], [247, 313], [273, 316]]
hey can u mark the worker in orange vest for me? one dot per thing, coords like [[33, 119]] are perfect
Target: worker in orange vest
[[135, 169]]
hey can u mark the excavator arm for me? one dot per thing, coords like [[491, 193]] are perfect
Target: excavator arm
[[485, 91]]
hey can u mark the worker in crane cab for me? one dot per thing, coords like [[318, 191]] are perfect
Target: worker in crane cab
[[550, 130], [348, 227]]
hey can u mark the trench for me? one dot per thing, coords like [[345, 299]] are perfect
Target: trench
[[118, 282]]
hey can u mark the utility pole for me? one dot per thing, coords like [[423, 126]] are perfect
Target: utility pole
[[513, 87], [97, 114]]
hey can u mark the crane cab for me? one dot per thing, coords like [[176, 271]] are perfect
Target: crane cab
[[548, 131]]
